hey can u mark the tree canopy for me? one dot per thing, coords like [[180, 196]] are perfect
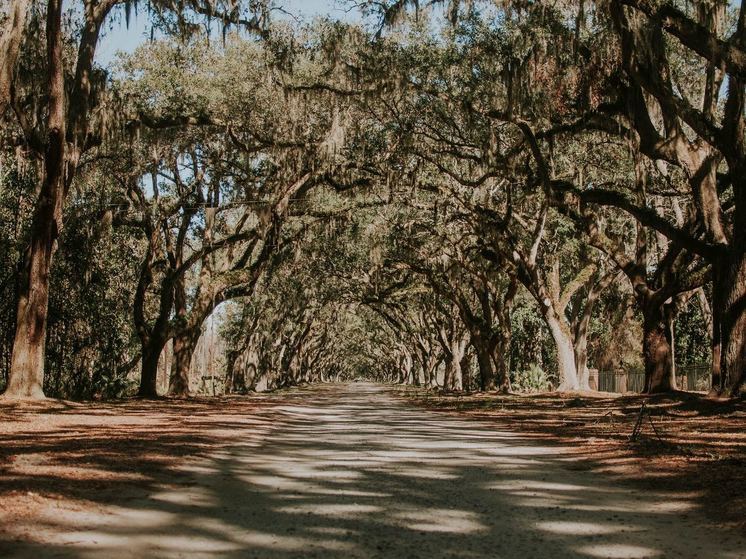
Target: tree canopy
[[459, 195]]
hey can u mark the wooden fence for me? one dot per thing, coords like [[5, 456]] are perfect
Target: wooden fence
[[695, 378]]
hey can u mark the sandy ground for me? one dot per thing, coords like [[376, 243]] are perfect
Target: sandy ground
[[329, 472]]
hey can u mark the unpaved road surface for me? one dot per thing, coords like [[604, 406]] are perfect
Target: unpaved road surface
[[352, 471]]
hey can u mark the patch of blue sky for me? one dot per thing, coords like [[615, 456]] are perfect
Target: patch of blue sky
[[124, 38]]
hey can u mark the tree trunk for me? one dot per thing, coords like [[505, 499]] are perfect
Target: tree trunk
[[454, 344], [453, 379], [566, 368], [149, 374], [457, 379], [26, 376], [416, 373], [230, 372], [657, 352], [184, 342], [734, 323], [712, 323], [580, 343], [581, 362], [458, 348], [501, 356], [428, 364], [484, 360], [405, 365], [466, 371], [152, 345], [580, 329], [448, 372], [10, 44], [184, 345], [716, 350]]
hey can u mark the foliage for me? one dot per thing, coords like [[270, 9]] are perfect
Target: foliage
[[533, 379]]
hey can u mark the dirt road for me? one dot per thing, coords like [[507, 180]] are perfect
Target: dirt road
[[352, 471]]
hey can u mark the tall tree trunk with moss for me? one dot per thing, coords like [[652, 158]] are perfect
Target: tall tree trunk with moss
[[466, 369], [184, 346], [657, 348], [26, 377], [484, 352], [153, 336], [733, 316], [10, 46], [66, 137]]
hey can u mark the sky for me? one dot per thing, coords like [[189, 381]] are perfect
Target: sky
[[126, 39]]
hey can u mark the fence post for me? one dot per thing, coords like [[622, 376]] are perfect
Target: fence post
[[621, 381], [593, 379]]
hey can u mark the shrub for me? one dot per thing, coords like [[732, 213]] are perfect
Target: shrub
[[533, 379]]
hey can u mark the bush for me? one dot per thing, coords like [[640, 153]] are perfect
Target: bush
[[533, 379], [112, 385]]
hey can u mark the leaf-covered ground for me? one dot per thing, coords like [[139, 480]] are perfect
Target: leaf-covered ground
[[83, 456]]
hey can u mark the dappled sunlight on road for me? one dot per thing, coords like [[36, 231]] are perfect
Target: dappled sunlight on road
[[350, 471]]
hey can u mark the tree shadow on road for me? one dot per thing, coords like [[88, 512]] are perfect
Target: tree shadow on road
[[341, 472]]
